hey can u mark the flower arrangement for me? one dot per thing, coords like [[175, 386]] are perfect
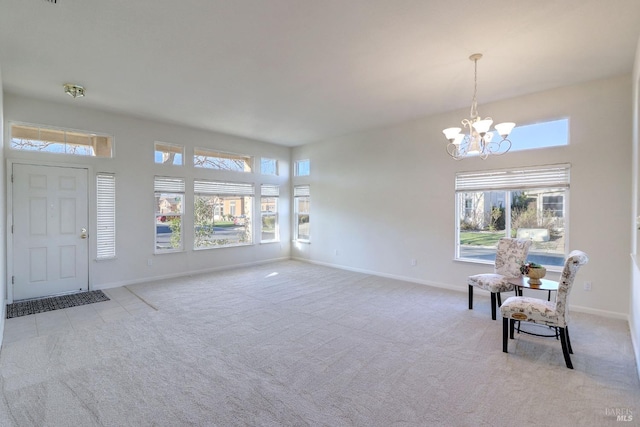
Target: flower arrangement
[[526, 267]]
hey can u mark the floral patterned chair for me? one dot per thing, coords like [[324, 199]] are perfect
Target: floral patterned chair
[[510, 255], [550, 313]]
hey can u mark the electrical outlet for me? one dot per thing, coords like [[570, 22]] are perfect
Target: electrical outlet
[[413, 262], [337, 252], [587, 286], [150, 262]]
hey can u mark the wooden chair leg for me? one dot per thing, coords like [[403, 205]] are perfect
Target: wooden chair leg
[[499, 299], [505, 334], [512, 324], [565, 348], [493, 305], [470, 297], [566, 331]]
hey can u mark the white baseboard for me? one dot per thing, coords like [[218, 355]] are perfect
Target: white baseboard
[[458, 288], [184, 274]]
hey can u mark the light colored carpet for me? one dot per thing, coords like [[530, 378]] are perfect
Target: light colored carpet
[[296, 344]]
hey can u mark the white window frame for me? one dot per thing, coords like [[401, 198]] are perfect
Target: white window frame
[[301, 193], [297, 168], [203, 187], [168, 148], [91, 143], [208, 158], [164, 185], [508, 180], [106, 216], [268, 191], [272, 162]]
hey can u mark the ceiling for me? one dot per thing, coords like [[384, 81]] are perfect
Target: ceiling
[[293, 72]]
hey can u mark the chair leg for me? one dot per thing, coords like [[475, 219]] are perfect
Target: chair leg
[[493, 306], [565, 348], [499, 299], [566, 331], [512, 324], [505, 334], [470, 297]]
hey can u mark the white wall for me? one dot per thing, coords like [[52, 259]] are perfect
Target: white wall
[[3, 263], [634, 299], [135, 170], [385, 196]]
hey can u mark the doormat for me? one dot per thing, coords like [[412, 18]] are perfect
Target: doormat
[[23, 308]]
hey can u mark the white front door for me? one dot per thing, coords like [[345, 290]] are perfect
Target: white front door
[[50, 245]]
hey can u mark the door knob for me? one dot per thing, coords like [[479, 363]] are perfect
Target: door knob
[[83, 233]]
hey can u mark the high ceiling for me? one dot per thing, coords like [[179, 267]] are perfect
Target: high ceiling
[[293, 72]]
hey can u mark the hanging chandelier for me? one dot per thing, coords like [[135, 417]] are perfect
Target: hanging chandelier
[[478, 141]]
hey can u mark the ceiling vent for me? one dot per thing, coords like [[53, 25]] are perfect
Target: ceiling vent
[[52, 1]]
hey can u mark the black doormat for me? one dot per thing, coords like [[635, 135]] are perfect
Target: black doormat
[[23, 308]]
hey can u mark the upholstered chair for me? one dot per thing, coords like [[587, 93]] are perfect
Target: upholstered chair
[[510, 255], [550, 313]]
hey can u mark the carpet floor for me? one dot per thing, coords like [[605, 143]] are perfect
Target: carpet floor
[[296, 344]]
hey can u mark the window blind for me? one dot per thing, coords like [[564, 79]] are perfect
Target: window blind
[[165, 184], [106, 211], [270, 190], [223, 188], [556, 176], [301, 191]]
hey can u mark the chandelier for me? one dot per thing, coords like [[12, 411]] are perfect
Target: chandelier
[[478, 140]]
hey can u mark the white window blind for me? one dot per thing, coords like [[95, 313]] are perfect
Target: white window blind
[[301, 191], [163, 184], [223, 188], [269, 190], [556, 176], [106, 211]]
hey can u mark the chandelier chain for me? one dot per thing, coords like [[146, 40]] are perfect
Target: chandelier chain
[[474, 102]]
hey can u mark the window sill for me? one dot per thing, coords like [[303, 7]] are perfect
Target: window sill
[[550, 268]]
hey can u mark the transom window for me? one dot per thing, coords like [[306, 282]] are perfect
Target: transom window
[[60, 141], [211, 159], [168, 154], [302, 168], [528, 203], [540, 135], [268, 166]]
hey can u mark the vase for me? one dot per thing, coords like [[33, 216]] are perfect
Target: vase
[[535, 274]]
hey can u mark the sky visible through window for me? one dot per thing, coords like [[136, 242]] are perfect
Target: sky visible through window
[[540, 135]]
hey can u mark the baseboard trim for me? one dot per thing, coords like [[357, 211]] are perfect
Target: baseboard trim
[[185, 274], [458, 288]]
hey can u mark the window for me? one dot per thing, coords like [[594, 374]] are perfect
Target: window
[[301, 196], [169, 154], [106, 212], [269, 213], [268, 166], [540, 135], [222, 214], [529, 203], [204, 158], [169, 196], [35, 138], [302, 168]]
